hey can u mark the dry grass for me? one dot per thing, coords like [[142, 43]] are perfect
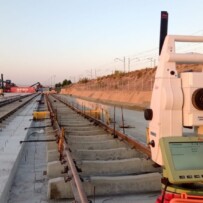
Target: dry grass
[[136, 96]]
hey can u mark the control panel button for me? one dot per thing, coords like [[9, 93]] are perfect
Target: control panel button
[[182, 177], [197, 176]]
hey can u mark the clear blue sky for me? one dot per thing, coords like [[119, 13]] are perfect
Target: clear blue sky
[[50, 40]]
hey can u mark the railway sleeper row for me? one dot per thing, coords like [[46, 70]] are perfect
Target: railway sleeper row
[[106, 165]]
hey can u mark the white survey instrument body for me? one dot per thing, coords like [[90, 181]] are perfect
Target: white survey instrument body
[[171, 103]]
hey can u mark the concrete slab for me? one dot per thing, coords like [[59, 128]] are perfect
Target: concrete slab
[[150, 182], [52, 145], [52, 155], [57, 188], [117, 167], [75, 125], [107, 154], [134, 198], [54, 169], [30, 182], [70, 122], [11, 149], [50, 131], [84, 128], [109, 144], [74, 138], [95, 132], [48, 122]]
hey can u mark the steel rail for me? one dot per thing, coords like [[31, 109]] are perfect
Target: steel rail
[[132, 142], [77, 188]]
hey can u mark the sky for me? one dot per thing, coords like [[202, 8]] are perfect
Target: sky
[[48, 41]]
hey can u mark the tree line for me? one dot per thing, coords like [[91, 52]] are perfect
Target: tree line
[[64, 83]]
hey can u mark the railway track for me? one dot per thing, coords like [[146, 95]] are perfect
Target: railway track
[[95, 160], [7, 100], [11, 105]]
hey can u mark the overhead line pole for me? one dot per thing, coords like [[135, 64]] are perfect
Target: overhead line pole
[[122, 60]]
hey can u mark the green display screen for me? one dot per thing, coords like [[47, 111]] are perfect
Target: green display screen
[[187, 155], [182, 159]]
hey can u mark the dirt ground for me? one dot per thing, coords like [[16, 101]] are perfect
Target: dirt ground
[[131, 89]]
